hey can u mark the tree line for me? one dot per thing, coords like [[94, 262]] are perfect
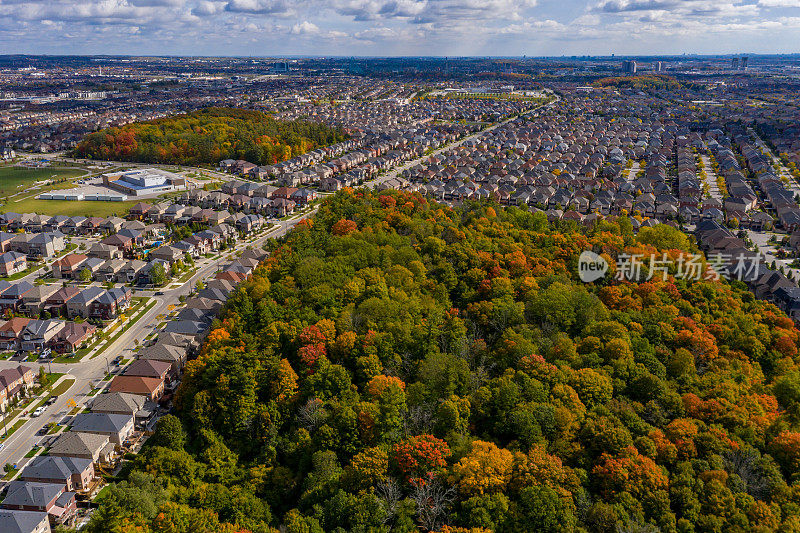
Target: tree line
[[398, 365], [208, 136]]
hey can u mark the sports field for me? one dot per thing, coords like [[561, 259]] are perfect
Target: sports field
[[68, 207], [17, 179]]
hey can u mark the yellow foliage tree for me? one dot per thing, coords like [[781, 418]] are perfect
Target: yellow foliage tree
[[285, 386], [486, 468]]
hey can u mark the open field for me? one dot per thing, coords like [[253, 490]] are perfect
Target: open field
[[17, 179], [68, 207]]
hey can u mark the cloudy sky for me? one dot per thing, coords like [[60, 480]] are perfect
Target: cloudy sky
[[399, 27]]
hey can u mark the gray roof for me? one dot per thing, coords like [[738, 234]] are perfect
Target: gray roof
[[175, 339], [32, 494], [185, 327], [20, 521], [163, 352], [87, 295], [118, 401], [73, 443], [53, 467], [100, 422]]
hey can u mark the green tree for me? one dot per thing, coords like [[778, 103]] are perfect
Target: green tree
[[158, 276], [169, 433]]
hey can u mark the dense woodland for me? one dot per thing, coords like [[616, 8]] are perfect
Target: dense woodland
[[646, 82], [397, 365], [207, 137]]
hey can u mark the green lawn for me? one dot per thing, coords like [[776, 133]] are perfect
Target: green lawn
[[69, 208], [13, 428], [17, 179], [33, 268], [32, 451]]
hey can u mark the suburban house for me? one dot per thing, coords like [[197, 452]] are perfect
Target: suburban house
[[39, 333], [24, 521], [109, 269], [74, 473], [80, 304], [169, 254], [56, 304], [69, 266], [150, 388], [49, 498], [5, 241], [45, 244], [112, 224], [13, 381], [130, 272], [91, 446], [109, 304], [140, 211], [104, 251], [174, 355], [120, 403], [149, 368], [72, 336], [33, 301], [10, 332], [11, 298], [116, 427], [123, 243], [12, 263]]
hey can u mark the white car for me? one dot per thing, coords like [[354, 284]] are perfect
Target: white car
[[38, 411]]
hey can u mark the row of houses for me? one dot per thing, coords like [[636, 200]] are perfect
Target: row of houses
[[213, 207], [46, 491], [365, 157], [32, 246], [296, 163], [767, 284], [780, 197], [74, 225], [90, 302]]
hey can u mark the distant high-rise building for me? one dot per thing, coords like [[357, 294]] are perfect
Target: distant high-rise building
[[629, 67], [281, 67], [744, 63], [735, 63], [659, 66]]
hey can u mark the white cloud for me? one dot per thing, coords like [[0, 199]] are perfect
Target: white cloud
[[205, 8], [305, 28], [409, 27], [260, 7], [779, 3]]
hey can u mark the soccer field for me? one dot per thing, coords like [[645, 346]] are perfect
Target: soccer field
[[68, 207], [18, 179]]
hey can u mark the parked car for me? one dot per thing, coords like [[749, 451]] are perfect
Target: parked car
[[38, 411]]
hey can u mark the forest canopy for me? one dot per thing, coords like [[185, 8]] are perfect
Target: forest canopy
[[642, 82], [208, 136], [398, 365]]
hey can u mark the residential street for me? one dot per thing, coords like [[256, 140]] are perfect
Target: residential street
[[395, 172], [90, 371]]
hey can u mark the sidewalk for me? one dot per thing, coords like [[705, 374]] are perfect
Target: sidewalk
[[32, 403]]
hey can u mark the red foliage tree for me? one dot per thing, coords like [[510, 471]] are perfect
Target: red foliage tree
[[344, 227], [416, 456]]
